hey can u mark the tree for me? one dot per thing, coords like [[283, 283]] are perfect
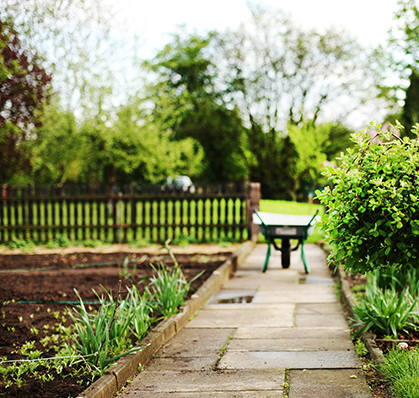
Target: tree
[[76, 42], [185, 82], [403, 58], [410, 113], [24, 87], [279, 75]]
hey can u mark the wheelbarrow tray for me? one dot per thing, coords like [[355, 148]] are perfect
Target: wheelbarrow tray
[[285, 227]]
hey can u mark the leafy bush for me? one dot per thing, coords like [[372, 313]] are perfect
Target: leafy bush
[[373, 204]]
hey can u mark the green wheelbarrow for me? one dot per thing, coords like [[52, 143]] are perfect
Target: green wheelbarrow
[[285, 227]]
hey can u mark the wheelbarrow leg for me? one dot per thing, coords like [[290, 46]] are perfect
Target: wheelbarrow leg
[[303, 257], [286, 253], [268, 255]]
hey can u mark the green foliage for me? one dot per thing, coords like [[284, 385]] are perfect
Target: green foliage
[[373, 203], [402, 369], [385, 311], [22, 244], [410, 115], [309, 142], [140, 309], [167, 290], [58, 242], [184, 240], [360, 348], [24, 86], [186, 83], [100, 337]]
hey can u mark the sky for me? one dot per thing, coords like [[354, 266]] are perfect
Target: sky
[[368, 20]]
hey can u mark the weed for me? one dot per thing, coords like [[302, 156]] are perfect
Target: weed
[[60, 241], [139, 243], [223, 350], [22, 244], [360, 348], [92, 243]]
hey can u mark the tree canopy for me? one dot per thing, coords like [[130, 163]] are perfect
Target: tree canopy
[[24, 87]]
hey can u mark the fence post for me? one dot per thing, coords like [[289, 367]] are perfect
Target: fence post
[[252, 203]]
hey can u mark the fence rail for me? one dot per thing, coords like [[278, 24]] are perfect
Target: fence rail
[[126, 214]]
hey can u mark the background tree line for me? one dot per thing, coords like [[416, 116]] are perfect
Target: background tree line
[[268, 102]]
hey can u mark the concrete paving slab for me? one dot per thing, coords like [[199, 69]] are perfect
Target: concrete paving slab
[[317, 279], [255, 279], [164, 364], [339, 383], [319, 309], [291, 333], [273, 316], [196, 343], [296, 294], [207, 381], [326, 320], [214, 394], [286, 359], [308, 344]]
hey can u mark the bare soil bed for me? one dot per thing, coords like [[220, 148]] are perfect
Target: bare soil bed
[[36, 288]]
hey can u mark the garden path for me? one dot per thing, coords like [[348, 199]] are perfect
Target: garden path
[[292, 335]]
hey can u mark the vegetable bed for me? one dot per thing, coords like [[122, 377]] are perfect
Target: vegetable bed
[[36, 294]]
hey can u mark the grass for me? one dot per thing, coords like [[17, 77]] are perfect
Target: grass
[[402, 369]]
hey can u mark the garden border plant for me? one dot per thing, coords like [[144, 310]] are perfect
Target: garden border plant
[[373, 205]]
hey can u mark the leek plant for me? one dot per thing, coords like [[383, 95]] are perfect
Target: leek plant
[[99, 336], [167, 290], [140, 310]]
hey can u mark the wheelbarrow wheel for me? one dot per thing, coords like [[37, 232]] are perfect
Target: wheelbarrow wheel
[[286, 253]]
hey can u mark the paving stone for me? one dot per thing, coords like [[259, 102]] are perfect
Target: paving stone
[[196, 343], [339, 383], [255, 279], [214, 394], [260, 316], [207, 381], [326, 320], [307, 344], [285, 359], [294, 321], [160, 364], [324, 279], [296, 294], [319, 309], [291, 333]]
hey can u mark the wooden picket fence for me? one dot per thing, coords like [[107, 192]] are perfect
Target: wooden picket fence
[[127, 214]]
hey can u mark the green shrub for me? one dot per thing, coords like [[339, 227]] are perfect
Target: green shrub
[[373, 204]]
